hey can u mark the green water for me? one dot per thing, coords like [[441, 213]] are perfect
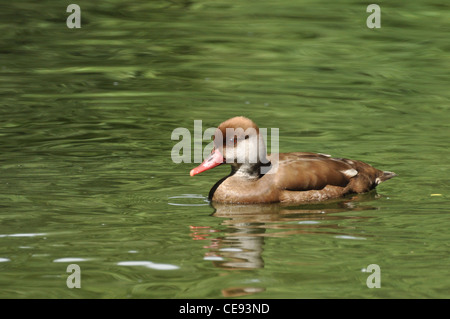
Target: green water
[[86, 176]]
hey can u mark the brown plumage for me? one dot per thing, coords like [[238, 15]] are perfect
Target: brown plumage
[[297, 177]]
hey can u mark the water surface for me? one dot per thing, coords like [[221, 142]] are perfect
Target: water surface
[[86, 177]]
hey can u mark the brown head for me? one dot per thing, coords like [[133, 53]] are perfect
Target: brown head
[[237, 142]]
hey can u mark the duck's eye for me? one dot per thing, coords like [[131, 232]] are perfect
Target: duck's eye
[[246, 137], [233, 140]]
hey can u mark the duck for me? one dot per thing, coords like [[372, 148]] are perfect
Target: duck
[[295, 178]]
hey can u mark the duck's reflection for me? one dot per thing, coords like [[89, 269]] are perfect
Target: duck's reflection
[[240, 245]]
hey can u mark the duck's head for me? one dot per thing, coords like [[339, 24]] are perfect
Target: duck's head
[[237, 142]]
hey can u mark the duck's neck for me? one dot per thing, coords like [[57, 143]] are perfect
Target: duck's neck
[[248, 170]]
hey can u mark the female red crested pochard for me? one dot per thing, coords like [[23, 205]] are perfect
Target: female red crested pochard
[[285, 177]]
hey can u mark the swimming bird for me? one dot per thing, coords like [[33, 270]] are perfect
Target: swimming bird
[[299, 177]]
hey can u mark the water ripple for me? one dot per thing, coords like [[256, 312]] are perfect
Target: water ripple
[[190, 196], [23, 235], [349, 237], [148, 264], [69, 260]]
